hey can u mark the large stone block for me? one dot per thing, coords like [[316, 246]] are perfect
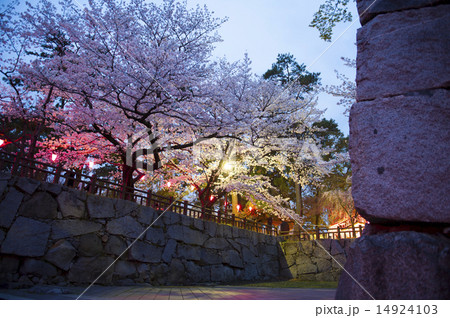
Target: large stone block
[[221, 274], [156, 236], [399, 149], [189, 252], [69, 228], [177, 273], [399, 265], [218, 243], [403, 52], [124, 207], [40, 205], [61, 254], [115, 245], [193, 237], [3, 186], [39, 268], [27, 185], [169, 251], [232, 258], [368, 9], [9, 207], [70, 205], [126, 226], [90, 245], [100, 207], [87, 269], [26, 237], [144, 252]]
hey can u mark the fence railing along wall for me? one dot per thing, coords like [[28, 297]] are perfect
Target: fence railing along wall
[[24, 167]]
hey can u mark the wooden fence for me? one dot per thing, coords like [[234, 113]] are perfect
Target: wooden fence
[[25, 167]]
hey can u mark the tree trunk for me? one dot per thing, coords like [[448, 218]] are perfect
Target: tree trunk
[[127, 182], [298, 199]]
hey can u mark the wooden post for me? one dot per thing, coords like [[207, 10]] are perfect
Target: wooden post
[[317, 233], [170, 202], [92, 184], [245, 223], [149, 197], [233, 220], [360, 230], [57, 174], [185, 207], [339, 233], [353, 231], [218, 216]]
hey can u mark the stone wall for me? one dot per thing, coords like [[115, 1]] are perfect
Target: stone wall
[[400, 150], [306, 260], [50, 234]]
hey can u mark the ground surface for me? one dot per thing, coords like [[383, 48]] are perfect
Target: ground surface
[[168, 293]]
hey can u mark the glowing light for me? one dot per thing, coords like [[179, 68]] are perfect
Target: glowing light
[[238, 207], [192, 187], [250, 209], [169, 184], [91, 164], [228, 166], [2, 142], [54, 156], [143, 177], [211, 198]]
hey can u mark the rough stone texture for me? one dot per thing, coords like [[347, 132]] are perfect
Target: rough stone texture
[[36, 267], [99, 207], [126, 226], [70, 205], [144, 252], [26, 237], [115, 245], [408, 265], [41, 205], [368, 9], [307, 260], [124, 207], [399, 153], [90, 245], [87, 269], [77, 246], [169, 251], [2, 236], [69, 228], [403, 52], [9, 207], [124, 269], [3, 186], [156, 236], [27, 185], [61, 254]]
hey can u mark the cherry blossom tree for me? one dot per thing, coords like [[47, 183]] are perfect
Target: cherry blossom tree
[[120, 68]]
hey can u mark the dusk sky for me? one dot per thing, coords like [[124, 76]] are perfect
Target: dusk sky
[[264, 28]]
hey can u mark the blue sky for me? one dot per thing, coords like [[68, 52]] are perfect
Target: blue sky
[[264, 28]]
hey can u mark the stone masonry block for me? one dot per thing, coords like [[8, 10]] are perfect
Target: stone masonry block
[[41, 205], [403, 52], [9, 207], [398, 265], [26, 237], [368, 9], [400, 149]]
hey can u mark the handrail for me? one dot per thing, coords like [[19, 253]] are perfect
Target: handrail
[[25, 167]]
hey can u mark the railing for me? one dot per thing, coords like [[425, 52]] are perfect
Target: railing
[[25, 167], [318, 233]]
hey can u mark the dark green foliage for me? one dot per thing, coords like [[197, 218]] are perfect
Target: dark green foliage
[[329, 14], [289, 73]]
